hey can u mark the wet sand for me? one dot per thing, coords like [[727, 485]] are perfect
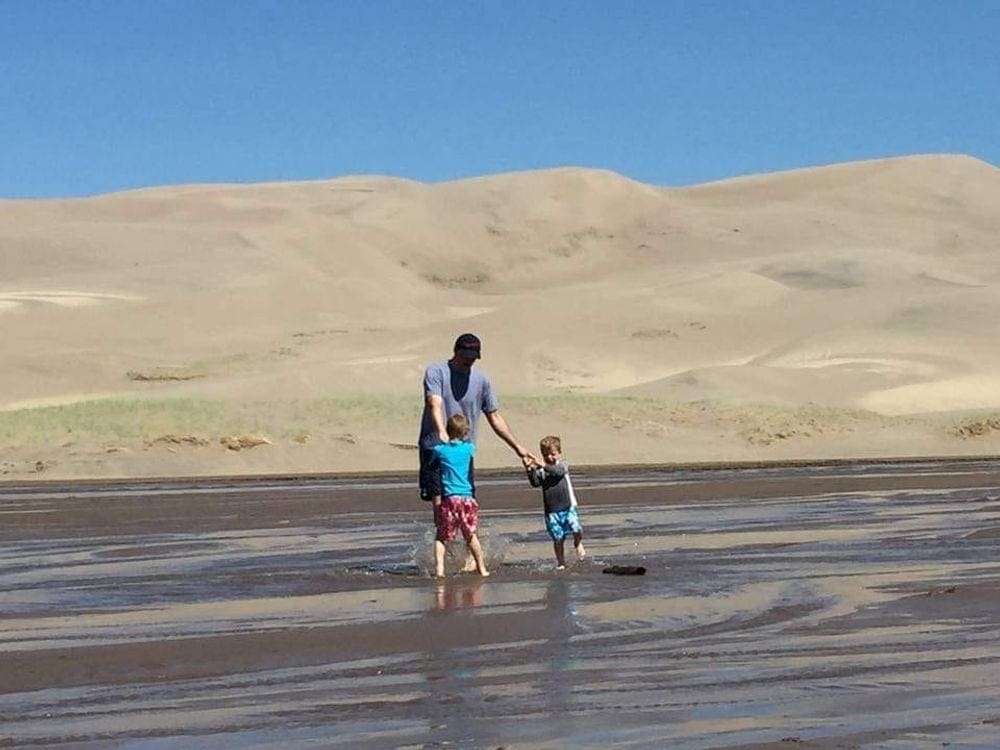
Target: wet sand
[[812, 607]]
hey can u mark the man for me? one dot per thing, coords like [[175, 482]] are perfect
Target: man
[[454, 386]]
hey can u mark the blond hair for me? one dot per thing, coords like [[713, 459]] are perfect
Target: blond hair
[[457, 427], [550, 443]]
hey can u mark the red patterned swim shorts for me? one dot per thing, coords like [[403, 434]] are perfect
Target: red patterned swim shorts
[[456, 514]]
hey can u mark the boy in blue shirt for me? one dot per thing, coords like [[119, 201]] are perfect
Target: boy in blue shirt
[[456, 508]]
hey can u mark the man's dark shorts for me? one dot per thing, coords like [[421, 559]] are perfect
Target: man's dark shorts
[[430, 475]]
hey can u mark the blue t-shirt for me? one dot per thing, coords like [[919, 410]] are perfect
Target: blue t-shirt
[[455, 459], [469, 393]]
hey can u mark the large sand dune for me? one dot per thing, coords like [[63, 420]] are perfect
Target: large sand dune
[[840, 311]]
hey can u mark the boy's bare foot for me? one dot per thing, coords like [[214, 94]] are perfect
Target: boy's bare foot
[[580, 551], [560, 567], [484, 573], [470, 564], [439, 574]]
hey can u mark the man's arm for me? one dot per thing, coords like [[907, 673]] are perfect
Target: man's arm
[[436, 404], [499, 425]]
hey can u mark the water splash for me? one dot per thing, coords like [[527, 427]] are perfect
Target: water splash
[[420, 556]]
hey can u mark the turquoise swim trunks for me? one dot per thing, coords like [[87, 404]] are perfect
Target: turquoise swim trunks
[[563, 523]]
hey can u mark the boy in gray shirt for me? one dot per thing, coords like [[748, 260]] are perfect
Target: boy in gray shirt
[[561, 516]]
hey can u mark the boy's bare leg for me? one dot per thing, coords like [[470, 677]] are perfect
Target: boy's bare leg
[[439, 549], [477, 554], [438, 558], [470, 564], [560, 549], [578, 545]]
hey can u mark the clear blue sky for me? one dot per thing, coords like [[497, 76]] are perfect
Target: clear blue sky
[[102, 95]]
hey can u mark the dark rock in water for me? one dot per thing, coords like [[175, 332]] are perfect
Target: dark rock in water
[[625, 570]]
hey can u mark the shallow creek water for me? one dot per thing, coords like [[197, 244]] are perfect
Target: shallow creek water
[[832, 613]]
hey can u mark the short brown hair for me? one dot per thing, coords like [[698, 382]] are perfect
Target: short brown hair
[[550, 442], [457, 427]]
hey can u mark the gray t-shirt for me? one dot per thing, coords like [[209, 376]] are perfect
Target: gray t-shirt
[[469, 393], [557, 489]]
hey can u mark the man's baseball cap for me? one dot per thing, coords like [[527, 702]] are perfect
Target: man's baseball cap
[[468, 345]]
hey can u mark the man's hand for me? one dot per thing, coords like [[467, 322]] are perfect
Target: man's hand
[[524, 454]]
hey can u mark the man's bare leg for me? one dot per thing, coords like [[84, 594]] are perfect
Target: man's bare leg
[[470, 563], [578, 545]]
